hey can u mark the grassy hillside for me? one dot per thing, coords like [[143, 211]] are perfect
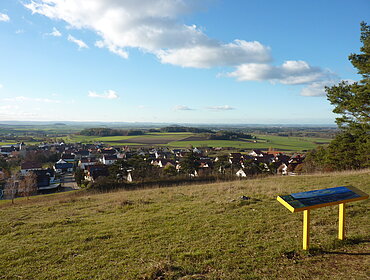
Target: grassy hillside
[[185, 232]]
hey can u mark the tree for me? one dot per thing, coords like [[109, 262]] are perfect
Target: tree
[[350, 148], [28, 186], [222, 164], [190, 163], [79, 176], [170, 171], [352, 101], [11, 188]]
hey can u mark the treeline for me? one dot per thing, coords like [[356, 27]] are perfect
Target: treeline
[[184, 129], [229, 135], [110, 132], [209, 134]]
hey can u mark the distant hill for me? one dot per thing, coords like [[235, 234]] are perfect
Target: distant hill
[[185, 232]]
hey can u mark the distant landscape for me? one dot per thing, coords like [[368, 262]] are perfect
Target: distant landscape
[[286, 138]]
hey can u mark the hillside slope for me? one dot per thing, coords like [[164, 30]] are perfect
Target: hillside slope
[[185, 232]]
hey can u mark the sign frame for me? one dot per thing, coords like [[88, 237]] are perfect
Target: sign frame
[[305, 201]]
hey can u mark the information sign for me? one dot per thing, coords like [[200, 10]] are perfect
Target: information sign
[[305, 201]]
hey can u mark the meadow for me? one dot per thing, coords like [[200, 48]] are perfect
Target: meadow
[[185, 232]]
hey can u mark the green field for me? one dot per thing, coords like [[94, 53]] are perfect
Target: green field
[[180, 140], [185, 140], [185, 232]]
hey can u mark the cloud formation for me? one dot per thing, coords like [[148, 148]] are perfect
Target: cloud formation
[[55, 33], [156, 27], [81, 44], [182, 108], [221, 108], [4, 17], [109, 94], [153, 27], [291, 72]]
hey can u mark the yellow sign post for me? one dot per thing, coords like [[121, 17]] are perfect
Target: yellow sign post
[[305, 201]]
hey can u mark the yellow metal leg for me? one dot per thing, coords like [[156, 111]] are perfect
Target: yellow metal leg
[[306, 229], [341, 221]]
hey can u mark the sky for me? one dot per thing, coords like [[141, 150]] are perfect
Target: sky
[[176, 61]]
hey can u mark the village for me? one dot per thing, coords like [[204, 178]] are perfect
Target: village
[[61, 166]]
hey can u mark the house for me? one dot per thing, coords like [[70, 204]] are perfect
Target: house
[[7, 150], [205, 166], [82, 154], [256, 153], [282, 169], [272, 151], [235, 158], [108, 151], [84, 162], [95, 171], [241, 173], [108, 159], [163, 162], [68, 158], [30, 166], [197, 151], [265, 158], [62, 166], [45, 179]]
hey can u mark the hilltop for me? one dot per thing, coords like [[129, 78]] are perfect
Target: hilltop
[[185, 232]]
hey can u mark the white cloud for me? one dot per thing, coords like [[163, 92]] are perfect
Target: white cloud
[[4, 17], [291, 72], [109, 94], [81, 44], [153, 26], [113, 48], [55, 33], [216, 54], [315, 89], [221, 108], [1, 86], [182, 108], [318, 88]]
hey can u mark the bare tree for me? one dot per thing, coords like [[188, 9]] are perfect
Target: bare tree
[[11, 188], [28, 186]]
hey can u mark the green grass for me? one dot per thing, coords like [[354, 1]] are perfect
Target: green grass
[[185, 232], [7, 143], [179, 140], [263, 142]]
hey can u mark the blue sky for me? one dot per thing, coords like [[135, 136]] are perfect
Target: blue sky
[[175, 61]]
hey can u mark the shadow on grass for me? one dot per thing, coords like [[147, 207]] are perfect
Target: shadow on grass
[[337, 244]]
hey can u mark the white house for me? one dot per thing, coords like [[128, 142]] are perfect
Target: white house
[[241, 173], [108, 159]]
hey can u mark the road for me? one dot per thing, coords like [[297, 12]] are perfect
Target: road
[[68, 182]]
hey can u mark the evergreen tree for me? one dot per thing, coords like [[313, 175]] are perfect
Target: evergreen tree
[[350, 149], [352, 101], [190, 163]]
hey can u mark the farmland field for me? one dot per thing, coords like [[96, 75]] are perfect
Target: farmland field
[[184, 140]]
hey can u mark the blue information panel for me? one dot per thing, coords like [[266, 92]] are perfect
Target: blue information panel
[[320, 198]]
